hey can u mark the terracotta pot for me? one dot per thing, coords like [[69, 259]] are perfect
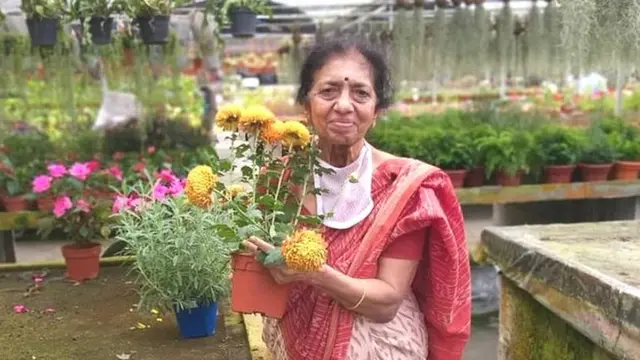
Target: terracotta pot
[[250, 278], [83, 261], [595, 172], [14, 203], [504, 179], [558, 174], [45, 203], [626, 170], [475, 177], [457, 177]]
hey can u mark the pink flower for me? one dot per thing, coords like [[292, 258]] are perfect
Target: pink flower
[[94, 165], [49, 310], [176, 187], [83, 206], [166, 175], [57, 170], [160, 192], [20, 309], [62, 205], [134, 203], [41, 183], [116, 172], [38, 280], [80, 171], [120, 203]]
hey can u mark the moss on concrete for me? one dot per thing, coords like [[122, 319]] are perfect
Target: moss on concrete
[[531, 331]]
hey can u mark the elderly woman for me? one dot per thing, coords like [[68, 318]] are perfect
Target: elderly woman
[[397, 283]]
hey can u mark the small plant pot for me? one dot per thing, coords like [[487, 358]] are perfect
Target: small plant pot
[[45, 203], [595, 172], [128, 57], [154, 30], [243, 22], [15, 203], [475, 177], [558, 174], [100, 30], [197, 322], [83, 261], [251, 278], [457, 177], [43, 32], [504, 179], [626, 170]]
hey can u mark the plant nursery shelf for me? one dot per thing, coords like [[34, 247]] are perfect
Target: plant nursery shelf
[[488, 195]]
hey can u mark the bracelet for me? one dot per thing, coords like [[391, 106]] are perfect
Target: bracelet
[[364, 295]]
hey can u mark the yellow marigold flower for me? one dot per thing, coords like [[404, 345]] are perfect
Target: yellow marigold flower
[[235, 190], [228, 116], [273, 133], [255, 119], [295, 134], [200, 183], [304, 251]]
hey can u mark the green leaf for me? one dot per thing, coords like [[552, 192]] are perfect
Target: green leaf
[[105, 231], [225, 231], [272, 258]]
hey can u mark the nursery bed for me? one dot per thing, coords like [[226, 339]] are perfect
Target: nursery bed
[[97, 320]]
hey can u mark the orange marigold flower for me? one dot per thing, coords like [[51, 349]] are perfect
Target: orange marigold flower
[[273, 133], [255, 119], [200, 183], [304, 251], [228, 116], [295, 134]]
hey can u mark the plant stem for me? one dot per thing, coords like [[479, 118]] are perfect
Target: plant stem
[[284, 168], [304, 192]]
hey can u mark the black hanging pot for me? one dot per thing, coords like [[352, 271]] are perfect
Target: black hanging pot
[[43, 31], [243, 22], [100, 30], [154, 30]]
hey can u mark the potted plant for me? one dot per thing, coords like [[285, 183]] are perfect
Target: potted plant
[[182, 254], [626, 140], [452, 151], [243, 15], [152, 17], [98, 15], [598, 155], [508, 153], [14, 183], [43, 17], [558, 150]]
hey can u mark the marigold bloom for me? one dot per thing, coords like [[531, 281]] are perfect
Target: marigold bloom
[[235, 190], [228, 116], [304, 251], [256, 119], [273, 133], [200, 183], [295, 134]]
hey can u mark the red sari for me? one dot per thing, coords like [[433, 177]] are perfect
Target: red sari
[[408, 196]]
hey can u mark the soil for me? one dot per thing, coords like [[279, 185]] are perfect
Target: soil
[[97, 320]]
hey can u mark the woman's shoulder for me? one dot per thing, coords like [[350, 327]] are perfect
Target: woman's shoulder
[[393, 165]]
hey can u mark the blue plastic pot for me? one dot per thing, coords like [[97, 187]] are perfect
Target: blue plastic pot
[[198, 322]]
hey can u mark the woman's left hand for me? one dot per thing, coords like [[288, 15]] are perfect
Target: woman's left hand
[[281, 273]]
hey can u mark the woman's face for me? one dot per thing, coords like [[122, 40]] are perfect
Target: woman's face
[[342, 100]]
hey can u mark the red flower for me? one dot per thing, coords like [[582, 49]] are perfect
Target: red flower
[[118, 156], [138, 167], [151, 150], [94, 165]]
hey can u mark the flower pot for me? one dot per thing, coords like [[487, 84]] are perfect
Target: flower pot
[[475, 177], [626, 170], [83, 261], [457, 177], [243, 22], [197, 322], [14, 203], [43, 32], [595, 172], [251, 278], [504, 179], [100, 30], [45, 203], [558, 174], [154, 30]]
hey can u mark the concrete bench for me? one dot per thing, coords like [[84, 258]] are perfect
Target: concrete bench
[[9, 223], [568, 291]]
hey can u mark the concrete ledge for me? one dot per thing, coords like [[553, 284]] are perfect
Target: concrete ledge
[[584, 273], [111, 261], [253, 325]]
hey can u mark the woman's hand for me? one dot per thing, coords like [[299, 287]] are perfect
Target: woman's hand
[[281, 274]]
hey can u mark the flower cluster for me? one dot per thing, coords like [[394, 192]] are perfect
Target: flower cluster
[[304, 251]]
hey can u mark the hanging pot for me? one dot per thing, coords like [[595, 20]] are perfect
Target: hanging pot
[[43, 31], [100, 30], [457, 177], [251, 278], [154, 30], [243, 22], [558, 174], [626, 170], [197, 322], [595, 172], [83, 261]]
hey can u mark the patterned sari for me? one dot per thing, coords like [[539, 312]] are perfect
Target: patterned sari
[[408, 196]]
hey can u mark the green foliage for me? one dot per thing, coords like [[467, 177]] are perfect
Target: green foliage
[[43, 8], [600, 148], [83, 225], [182, 252], [508, 151], [624, 137], [559, 145]]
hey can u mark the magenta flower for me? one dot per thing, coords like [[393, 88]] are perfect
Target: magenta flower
[[120, 203], [57, 170], [94, 165], [116, 172], [160, 192], [176, 187], [41, 183], [80, 171], [83, 206], [20, 309], [167, 176], [62, 205]]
